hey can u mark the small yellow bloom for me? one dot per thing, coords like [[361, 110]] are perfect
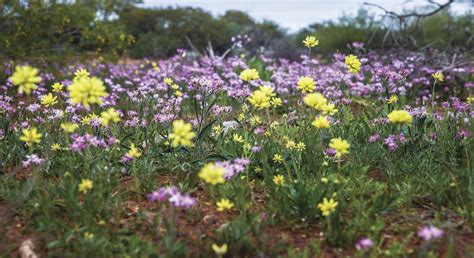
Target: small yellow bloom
[[182, 134], [56, 147], [278, 180], [341, 146], [329, 109], [277, 158], [49, 100], [438, 76], [249, 75], [86, 90], [69, 127], [353, 64], [220, 250], [275, 102], [57, 87], [111, 115], [306, 84], [81, 73], [238, 138], [301, 146], [175, 86], [310, 41], [255, 120], [178, 93], [212, 174], [85, 185], [327, 207], [30, 136], [217, 129], [321, 122], [393, 99], [168, 81], [133, 152], [224, 204], [26, 78], [315, 100], [324, 180], [259, 99], [400, 116]]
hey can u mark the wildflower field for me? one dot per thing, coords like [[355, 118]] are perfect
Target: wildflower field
[[368, 154]]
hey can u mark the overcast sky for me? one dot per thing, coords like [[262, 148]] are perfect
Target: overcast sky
[[295, 14]]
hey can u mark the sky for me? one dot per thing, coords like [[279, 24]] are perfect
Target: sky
[[296, 14]]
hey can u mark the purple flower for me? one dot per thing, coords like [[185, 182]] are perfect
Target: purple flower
[[32, 159], [364, 244], [374, 138], [430, 232], [173, 196]]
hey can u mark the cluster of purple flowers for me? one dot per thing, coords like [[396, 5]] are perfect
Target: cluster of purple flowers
[[392, 141], [82, 142], [233, 167], [430, 233], [32, 159], [172, 194]]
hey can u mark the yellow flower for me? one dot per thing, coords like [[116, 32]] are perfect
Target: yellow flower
[[301, 146], [224, 204], [277, 158], [182, 134], [110, 115], [329, 109], [69, 127], [168, 81], [175, 86], [400, 116], [392, 99], [26, 78], [238, 138], [310, 41], [30, 136], [315, 100], [259, 99], [341, 146], [249, 75], [275, 102], [57, 87], [219, 250], [212, 174], [327, 207], [267, 90], [49, 100], [290, 144], [81, 73], [469, 100], [353, 64], [85, 185], [278, 180], [133, 152], [321, 122], [178, 93], [86, 90], [306, 84], [438, 76], [324, 180], [56, 147], [217, 129]]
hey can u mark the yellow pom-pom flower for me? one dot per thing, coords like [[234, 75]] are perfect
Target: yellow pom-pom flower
[[341, 146], [182, 134], [30, 136], [85, 185], [249, 75], [327, 206], [321, 122], [315, 100], [393, 99], [133, 152], [111, 115], [87, 90], [69, 127], [212, 174], [224, 204], [219, 250], [353, 64], [438, 76], [259, 99], [49, 100], [278, 180], [400, 116], [310, 41], [306, 84], [26, 78], [57, 87]]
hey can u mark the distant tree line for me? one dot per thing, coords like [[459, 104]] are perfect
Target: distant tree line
[[55, 29]]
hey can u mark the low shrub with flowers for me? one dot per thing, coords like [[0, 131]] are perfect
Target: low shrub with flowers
[[369, 154]]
